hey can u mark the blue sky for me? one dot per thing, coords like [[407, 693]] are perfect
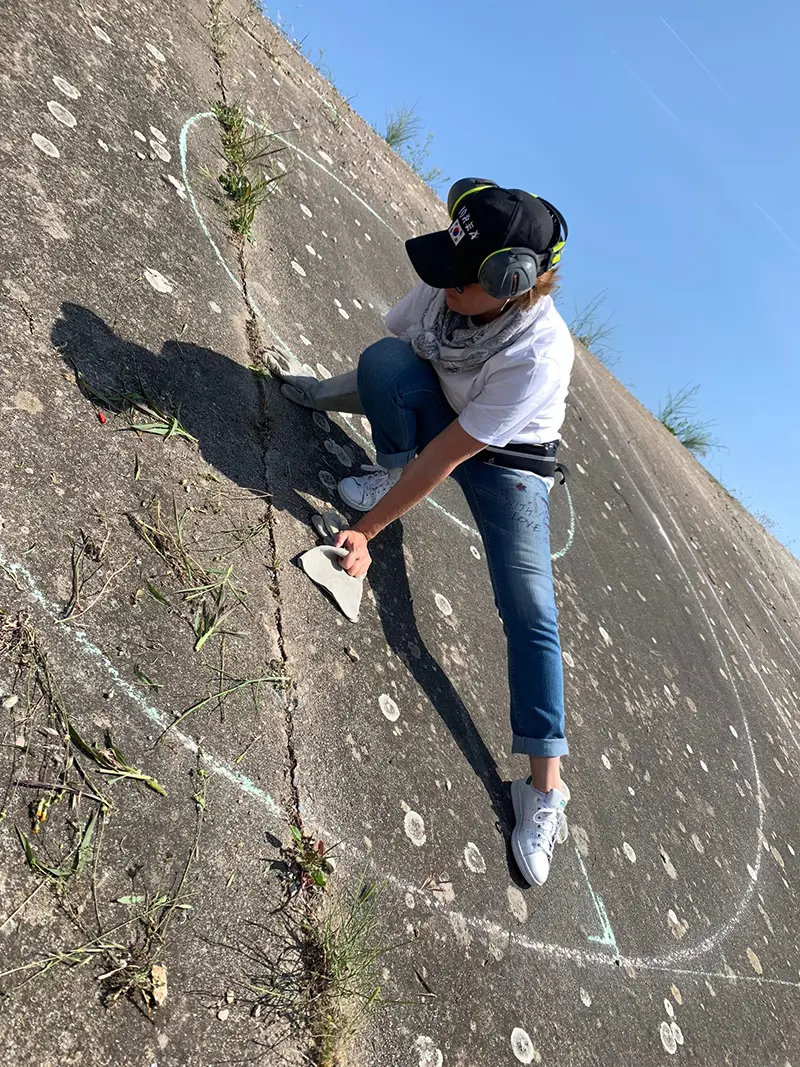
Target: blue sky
[[667, 134]]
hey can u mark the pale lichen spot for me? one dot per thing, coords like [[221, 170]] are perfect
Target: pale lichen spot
[[414, 826], [522, 1047], [668, 1038], [473, 859], [429, 1054], [755, 962], [45, 145], [62, 114], [177, 185], [27, 401], [516, 904], [157, 148], [157, 280], [388, 707], [65, 87], [443, 604]]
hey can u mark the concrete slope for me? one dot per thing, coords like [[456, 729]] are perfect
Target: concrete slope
[[670, 921]]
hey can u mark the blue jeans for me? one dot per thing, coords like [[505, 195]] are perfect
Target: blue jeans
[[403, 400]]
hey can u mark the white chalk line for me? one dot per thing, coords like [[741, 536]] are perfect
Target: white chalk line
[[154, 714], [727, 927], [556, 952], [183, 146]]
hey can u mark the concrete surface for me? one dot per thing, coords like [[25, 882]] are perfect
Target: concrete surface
[[670, 922]]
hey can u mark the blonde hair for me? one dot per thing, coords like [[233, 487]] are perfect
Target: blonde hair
[[545, 284]]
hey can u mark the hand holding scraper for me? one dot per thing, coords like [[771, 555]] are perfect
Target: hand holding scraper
[[321, 564]]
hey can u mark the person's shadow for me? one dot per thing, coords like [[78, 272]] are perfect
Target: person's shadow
[[209, 392]]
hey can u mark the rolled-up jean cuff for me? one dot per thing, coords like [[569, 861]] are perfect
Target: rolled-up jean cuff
[[532, 746], [396, 459]]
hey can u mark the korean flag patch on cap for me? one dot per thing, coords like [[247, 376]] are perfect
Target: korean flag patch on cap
[[456, 232]]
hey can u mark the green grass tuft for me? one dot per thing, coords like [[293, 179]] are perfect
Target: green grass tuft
[[247, 181], [679, 415]]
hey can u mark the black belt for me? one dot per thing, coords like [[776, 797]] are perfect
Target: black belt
[[539, 459]]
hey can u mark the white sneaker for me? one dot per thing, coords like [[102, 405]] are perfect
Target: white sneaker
[[541, 823], [363, 493]]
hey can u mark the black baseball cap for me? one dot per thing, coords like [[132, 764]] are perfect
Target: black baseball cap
[[484, 221]]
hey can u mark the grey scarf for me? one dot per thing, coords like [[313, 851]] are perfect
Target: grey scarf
[[471, 345]]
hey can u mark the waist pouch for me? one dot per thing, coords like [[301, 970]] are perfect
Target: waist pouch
[[538, 459]]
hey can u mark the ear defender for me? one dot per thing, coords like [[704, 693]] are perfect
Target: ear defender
[[463, 187], [509, 272]]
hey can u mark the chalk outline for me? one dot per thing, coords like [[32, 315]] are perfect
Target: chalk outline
[[664, 962]]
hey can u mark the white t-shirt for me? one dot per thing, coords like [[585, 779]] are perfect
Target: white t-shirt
[[518, 395]]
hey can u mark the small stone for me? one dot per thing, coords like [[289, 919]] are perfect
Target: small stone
[[230, 996], [223, 1014], [158, 984], [10, 702], [351, 653]]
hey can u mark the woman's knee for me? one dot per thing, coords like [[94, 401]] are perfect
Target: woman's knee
[[383, 361], [529, 605]]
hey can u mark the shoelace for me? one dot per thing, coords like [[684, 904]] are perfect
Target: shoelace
[[375, 475], [548, 821]]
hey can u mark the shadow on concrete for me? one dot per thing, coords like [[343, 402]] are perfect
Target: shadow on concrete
[[217, 401]]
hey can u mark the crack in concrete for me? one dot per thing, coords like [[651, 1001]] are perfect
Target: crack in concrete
[[256, 347]]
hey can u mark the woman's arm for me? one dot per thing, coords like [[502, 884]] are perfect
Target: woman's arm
[[436, 462]]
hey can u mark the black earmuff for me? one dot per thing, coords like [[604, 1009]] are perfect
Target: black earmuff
[[463, 187], [510, 272]]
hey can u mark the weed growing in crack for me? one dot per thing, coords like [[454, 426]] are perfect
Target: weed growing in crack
[[310, 859], [342, 952], [246, 182], [321, 975]]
